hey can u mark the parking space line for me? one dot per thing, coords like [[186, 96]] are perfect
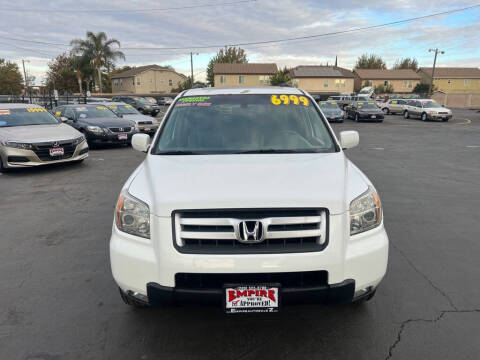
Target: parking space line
[[465, 123]]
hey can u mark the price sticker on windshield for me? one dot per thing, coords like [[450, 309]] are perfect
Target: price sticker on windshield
[[289, 100], [82, 108], [102, 108], [36, 110], [114, 106], [126, 106]]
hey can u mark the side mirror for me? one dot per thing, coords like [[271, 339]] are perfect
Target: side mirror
[[141, 142], [349, 139], [63, 118]]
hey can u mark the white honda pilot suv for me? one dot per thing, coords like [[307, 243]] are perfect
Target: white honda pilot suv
[[246, 200]]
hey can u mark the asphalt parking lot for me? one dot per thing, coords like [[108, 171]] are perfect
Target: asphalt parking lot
[[58, 299]]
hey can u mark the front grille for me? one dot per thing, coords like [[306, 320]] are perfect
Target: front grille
[[42, 150], [219, 231], [301, 279], [443, 112], [120, 130], [145, 123]]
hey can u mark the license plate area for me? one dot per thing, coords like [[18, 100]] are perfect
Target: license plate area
[[122, 136], [57, 152], [251, 298], [373, 116]]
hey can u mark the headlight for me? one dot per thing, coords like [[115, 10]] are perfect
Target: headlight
[[17, 145], [78, 140], [148, 106], [132, 216], [95, 129], [365, 212]]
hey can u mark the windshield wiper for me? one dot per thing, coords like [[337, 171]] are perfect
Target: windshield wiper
[[276, 151], [178, 152]]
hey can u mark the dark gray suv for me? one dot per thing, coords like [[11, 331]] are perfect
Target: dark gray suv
[[139, 103]]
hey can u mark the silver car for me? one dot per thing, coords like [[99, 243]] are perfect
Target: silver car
[[144, 123], [426, 109], [31, 136]]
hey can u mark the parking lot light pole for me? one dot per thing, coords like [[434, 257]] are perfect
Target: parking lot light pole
[[191, 65], [25, 76], [430, 88]]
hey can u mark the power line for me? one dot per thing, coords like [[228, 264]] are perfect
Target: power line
[[231, 3], [358, 29], [27, 49]]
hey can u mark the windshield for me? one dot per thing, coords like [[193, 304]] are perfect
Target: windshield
[[89, 112], [226, 124], [431, 104], [142, 101], [26, 116], [123, 109], [367, 105], [329, 106]]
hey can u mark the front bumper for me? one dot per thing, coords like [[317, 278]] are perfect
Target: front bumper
[[154, 110], [335, 118], [439, 116], [20, 158], [149, 268], [369, 117], [109, 137]]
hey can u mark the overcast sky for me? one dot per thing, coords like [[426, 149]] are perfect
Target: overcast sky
[[458, 34]]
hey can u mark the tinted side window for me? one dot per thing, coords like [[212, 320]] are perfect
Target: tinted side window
[[69, 113]]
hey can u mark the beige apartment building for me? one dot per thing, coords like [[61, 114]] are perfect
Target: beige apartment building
[[402, 81], [453, 80], [149, 79], [318, 79], [239, 75]]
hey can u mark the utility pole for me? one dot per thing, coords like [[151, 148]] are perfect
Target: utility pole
[[191, 66], [25, 76], [436, 50]]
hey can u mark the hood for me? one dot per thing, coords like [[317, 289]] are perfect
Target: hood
[[332, 111], [107, 122], [139, 117], [168, 183], [39, 133], [442, 109]]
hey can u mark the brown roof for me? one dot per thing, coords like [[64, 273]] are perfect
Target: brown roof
[[244, 69], [453, 72], [139, 69], [320, 71], [378, 74]]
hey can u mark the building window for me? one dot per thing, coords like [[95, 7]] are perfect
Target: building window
[[368, 83], [466, 82], [264, 79], [241, 79], [386, 83], [449, 81], [223, 79], [115, 82], [339, 83], [121, 82], [138, 81], [133, 81], [170, 82], [407, 84], [325, 83]]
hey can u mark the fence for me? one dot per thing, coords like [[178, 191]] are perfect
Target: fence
[[465, 101], [47, 101]]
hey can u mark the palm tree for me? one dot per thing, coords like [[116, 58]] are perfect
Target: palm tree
[[81, 66], [98, 49]]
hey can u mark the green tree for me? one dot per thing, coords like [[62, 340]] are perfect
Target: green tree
[[99, 50], [382, 89], [82, 69], [421, 88], [230, 55], [370, 61], [406, 63], [281, 77], [11, 81], [61, 74]]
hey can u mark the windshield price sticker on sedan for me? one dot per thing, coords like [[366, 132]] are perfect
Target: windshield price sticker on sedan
[[251, 298], [194, 101], [102, 108], [115, 106], [126, 106], [82, 108], [36, 110], [289, 99]]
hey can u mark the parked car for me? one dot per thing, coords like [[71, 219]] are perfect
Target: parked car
[[151, 100], [139, 103], [31, 136], [143, 123], [247, 199], [331, 111], [426, 109], [91, 100], [364, 110], [393, 106], [98, 123], [344, 101], [166, 100]]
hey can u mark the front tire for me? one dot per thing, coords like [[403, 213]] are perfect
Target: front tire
[[406, 115], [424, 117], [3, 169], [386, 111], [356, 117]]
